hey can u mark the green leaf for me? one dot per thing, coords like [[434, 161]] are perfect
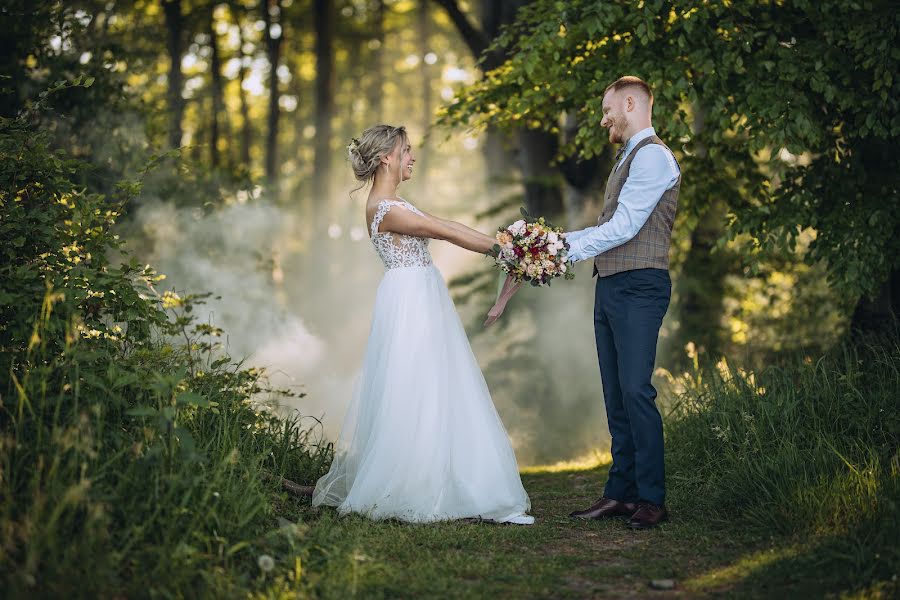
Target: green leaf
[[191, 398], [142, 411], [187, 440]]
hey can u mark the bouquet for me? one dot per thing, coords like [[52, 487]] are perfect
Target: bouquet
[[528, 250]]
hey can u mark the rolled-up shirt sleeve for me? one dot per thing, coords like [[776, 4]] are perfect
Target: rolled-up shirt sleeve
[[652, 172]]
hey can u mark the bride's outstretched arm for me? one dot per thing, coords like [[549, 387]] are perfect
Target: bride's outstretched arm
[[455, 224], [409, 223]]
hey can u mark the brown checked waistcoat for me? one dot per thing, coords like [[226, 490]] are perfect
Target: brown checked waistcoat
[[650, 247]]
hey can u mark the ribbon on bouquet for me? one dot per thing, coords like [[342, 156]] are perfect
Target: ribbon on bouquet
[[510, 287]]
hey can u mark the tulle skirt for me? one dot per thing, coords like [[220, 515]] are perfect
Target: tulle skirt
[[422, 440]]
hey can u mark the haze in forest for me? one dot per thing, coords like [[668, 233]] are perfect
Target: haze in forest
[[307, 324], [258, 206], [279, 235]]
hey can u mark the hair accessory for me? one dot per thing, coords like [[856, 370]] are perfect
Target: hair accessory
[[353, 146]]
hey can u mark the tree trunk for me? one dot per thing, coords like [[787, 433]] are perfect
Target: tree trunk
[[324, 28], [476, 39], [174, 28], [376, 64], [542, 190], [246, 125], [880, 313], [218, 103], [701, 286], [532, 151], [424, 21], [271, 17], [583, 178]]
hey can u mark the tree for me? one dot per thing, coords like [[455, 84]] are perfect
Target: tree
[[175, 45], [271, 10], [237, 13], [423, 23], [801, 107], [376, 68], [216, 89], [324, 26], [535, 149]]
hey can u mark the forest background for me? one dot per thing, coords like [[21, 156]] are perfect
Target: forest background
[[207, 141]]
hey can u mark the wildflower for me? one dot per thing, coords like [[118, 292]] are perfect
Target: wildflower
[[691, 350], [722, 434], [265, 562], [171, 300]]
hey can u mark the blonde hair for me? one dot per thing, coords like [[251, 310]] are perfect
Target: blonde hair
[[365, 154]]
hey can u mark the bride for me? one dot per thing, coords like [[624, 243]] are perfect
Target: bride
[[421, 440]]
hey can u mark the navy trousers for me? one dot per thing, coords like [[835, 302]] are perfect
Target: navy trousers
[[628, 311]]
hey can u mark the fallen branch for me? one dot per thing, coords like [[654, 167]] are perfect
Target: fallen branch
[[290, 486]]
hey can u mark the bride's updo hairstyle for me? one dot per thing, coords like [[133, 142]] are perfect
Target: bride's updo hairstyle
[[366, 152]]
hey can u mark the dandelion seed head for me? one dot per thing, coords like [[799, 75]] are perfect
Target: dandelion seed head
[[265, 562]]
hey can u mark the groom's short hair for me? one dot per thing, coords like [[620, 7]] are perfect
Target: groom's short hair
[[631, 81]]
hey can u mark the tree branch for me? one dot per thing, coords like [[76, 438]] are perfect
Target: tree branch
[[474, 38], [290, 486]]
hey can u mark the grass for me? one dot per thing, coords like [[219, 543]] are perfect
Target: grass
[[134, 467], [782, 484], [557, 557], [562, 558], [798, 500], [141, 473], [806, 450]]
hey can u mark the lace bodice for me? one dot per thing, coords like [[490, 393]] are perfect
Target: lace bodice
[[398, 250]]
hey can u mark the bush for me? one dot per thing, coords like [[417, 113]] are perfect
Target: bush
[[809, 449], [129, 465]]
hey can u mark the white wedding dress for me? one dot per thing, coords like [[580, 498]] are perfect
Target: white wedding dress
[[421, 440]]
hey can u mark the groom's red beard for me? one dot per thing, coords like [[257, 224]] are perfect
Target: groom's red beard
[[615, 136]]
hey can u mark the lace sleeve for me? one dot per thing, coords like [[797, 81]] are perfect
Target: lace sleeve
[[384, 207], [395, 249]]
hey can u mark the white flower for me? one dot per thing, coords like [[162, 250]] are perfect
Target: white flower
[[517, 228], [265, 562], [562, 268], [552, 237], [352, 147], [551, 250]]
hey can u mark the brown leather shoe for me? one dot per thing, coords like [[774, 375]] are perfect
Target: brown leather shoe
[[648, 516], [605, 508]]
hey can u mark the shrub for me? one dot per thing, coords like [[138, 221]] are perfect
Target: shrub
[[808, 449], [128, 464]]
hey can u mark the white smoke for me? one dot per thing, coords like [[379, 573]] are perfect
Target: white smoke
[[304, 314]]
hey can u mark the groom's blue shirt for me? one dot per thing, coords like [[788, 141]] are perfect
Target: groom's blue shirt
[[653, 171]]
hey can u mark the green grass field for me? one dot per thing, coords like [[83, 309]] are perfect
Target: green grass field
[[782, 484], [558, 557]]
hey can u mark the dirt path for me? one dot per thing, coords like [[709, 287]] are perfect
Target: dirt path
[[556, 558]]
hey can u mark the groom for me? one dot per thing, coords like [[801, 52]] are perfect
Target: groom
[[630, 248]]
